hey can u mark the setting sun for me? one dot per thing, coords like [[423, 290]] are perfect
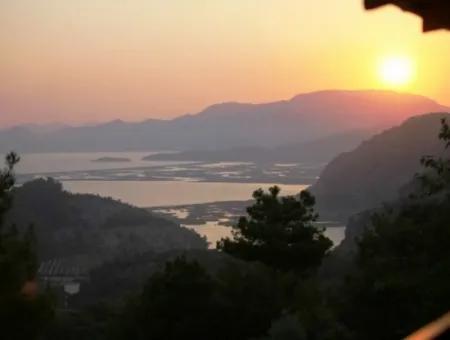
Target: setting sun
[[396, 71]]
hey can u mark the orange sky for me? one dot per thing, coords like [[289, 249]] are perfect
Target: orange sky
[[96, 60]]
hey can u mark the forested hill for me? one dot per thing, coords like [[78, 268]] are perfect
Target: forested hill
[[89, 229], [375, 171]]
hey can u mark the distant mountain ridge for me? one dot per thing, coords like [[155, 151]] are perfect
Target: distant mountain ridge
[[302, 119]]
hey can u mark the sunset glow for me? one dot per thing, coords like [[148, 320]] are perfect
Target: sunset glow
[[98, 60], [396, 71]]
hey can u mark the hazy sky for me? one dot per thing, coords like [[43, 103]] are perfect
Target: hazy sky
[[96, 60]]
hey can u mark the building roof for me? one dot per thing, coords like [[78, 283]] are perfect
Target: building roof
[[60, 268], [435, 13]]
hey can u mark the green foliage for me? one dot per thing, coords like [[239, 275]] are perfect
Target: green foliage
[[186, 302], [288, 327], [316, 313], [92, 228], [280, 233], [23, 312], [87, 324], [402, 278], [7, 181], [178, 302], [437, 175], [250, 297]]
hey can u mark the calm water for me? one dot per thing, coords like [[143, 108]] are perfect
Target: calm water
[[150, 193], [213, 232], [164, 193], [39, 163]]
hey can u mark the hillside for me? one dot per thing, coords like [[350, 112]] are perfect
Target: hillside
[[302, 119], [375, 171], [128, 274], [89, 229]]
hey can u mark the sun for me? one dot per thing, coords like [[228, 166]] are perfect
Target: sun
[[396, 71]]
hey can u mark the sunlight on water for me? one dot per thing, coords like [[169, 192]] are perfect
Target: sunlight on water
[[165, 193], [213, 232]]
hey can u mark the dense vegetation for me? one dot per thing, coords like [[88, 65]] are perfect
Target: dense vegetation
[[24, 312], [397, 280], [267, 281], [279, 233], [88, 229], [402, 276]]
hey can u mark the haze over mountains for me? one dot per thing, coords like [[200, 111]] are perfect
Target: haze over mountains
[[321, 150], [305, 118]]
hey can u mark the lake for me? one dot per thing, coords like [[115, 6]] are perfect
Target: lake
[[40, 163], [213, 232], [176, 190], [165, 193]]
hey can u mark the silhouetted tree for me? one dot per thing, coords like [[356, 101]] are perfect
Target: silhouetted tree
[[23, 312], [280, 233], [186, 302], [7, 181], [436, 177]]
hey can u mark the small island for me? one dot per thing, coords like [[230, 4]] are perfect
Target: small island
[[111, 159]]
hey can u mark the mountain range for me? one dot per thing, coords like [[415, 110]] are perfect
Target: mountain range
[[302, 119]]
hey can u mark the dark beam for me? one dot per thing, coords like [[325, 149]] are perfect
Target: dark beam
[[435, 13]]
